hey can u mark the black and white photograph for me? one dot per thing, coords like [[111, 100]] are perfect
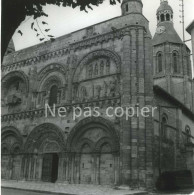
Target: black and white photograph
[[97, 97]]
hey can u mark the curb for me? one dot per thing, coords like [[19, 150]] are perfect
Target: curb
[[37, 191]]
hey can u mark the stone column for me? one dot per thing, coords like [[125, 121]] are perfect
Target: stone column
[[125, 84], [60, 168], [97, 171], [72, 167], [34, 172], [78, 156], [149, 129], [39, 167], [22, 169]]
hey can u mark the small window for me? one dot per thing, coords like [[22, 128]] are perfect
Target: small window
[[159, 62], [162, 18], [127, 8], [175, 62], [164, 127], [53, 95]]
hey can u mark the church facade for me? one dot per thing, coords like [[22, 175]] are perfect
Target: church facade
[[114, 64]]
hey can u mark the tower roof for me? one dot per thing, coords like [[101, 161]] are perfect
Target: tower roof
[[164, 6], [169, 34]]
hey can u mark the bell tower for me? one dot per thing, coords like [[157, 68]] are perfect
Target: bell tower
[[164, 12], [171, 58], [131, 6]]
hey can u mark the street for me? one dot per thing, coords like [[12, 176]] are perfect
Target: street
[[6, 191]]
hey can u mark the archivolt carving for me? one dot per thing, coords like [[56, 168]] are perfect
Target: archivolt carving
[[51, 68], [49, 146], [76, 135], [82, 142], [95, 54], [11, 131], [103, 141], [52, 80], [43, 132], [11, 138]]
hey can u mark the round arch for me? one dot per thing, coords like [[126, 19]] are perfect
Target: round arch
[[46, 131], [95, 54], [15, 74], [11, 131], [89, 123], [50, 75], [51, 68]]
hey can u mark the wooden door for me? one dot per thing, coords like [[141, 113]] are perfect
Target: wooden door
[[47, 167]]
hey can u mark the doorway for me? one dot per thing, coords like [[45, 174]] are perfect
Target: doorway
[[50, 167]]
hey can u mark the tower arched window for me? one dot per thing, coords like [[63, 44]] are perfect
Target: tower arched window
[[167, 17], [162, 17], [164, 127], [159, 62], [53, 95], [175, 62], [127, 7], [188, 134]]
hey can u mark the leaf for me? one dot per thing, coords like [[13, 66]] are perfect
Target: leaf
[[50, 35], [35, 29], [46, 30], [43, 22], [32, 25], [20, 32], [41, 39], [37, 34]]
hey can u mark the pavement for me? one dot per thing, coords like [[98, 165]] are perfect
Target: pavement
[[67, 189]]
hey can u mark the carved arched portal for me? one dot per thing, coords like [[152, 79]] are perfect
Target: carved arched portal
[[11, 146], [44, 148], [95, 145]]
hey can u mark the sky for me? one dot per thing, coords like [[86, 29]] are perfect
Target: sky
[[64, 20]]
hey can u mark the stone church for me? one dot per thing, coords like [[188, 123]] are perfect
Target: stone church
[[115, 63]]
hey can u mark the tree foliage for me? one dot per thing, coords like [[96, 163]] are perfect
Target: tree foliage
[[15, 11]]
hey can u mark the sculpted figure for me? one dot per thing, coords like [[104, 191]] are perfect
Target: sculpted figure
[[98, 91], [102, 67]]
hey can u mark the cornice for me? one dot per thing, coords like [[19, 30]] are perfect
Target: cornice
[[116, 34], [37, 113]]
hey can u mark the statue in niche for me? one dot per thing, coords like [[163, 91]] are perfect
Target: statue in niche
[[98, 91], [74, 59], [68, 61], [75, 92], [105, 88], [14, 95], [83, 93], [90, 70], [102, 67], [113, 87], [46, 97], [96, 69], [108, 66], [64, 92]]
